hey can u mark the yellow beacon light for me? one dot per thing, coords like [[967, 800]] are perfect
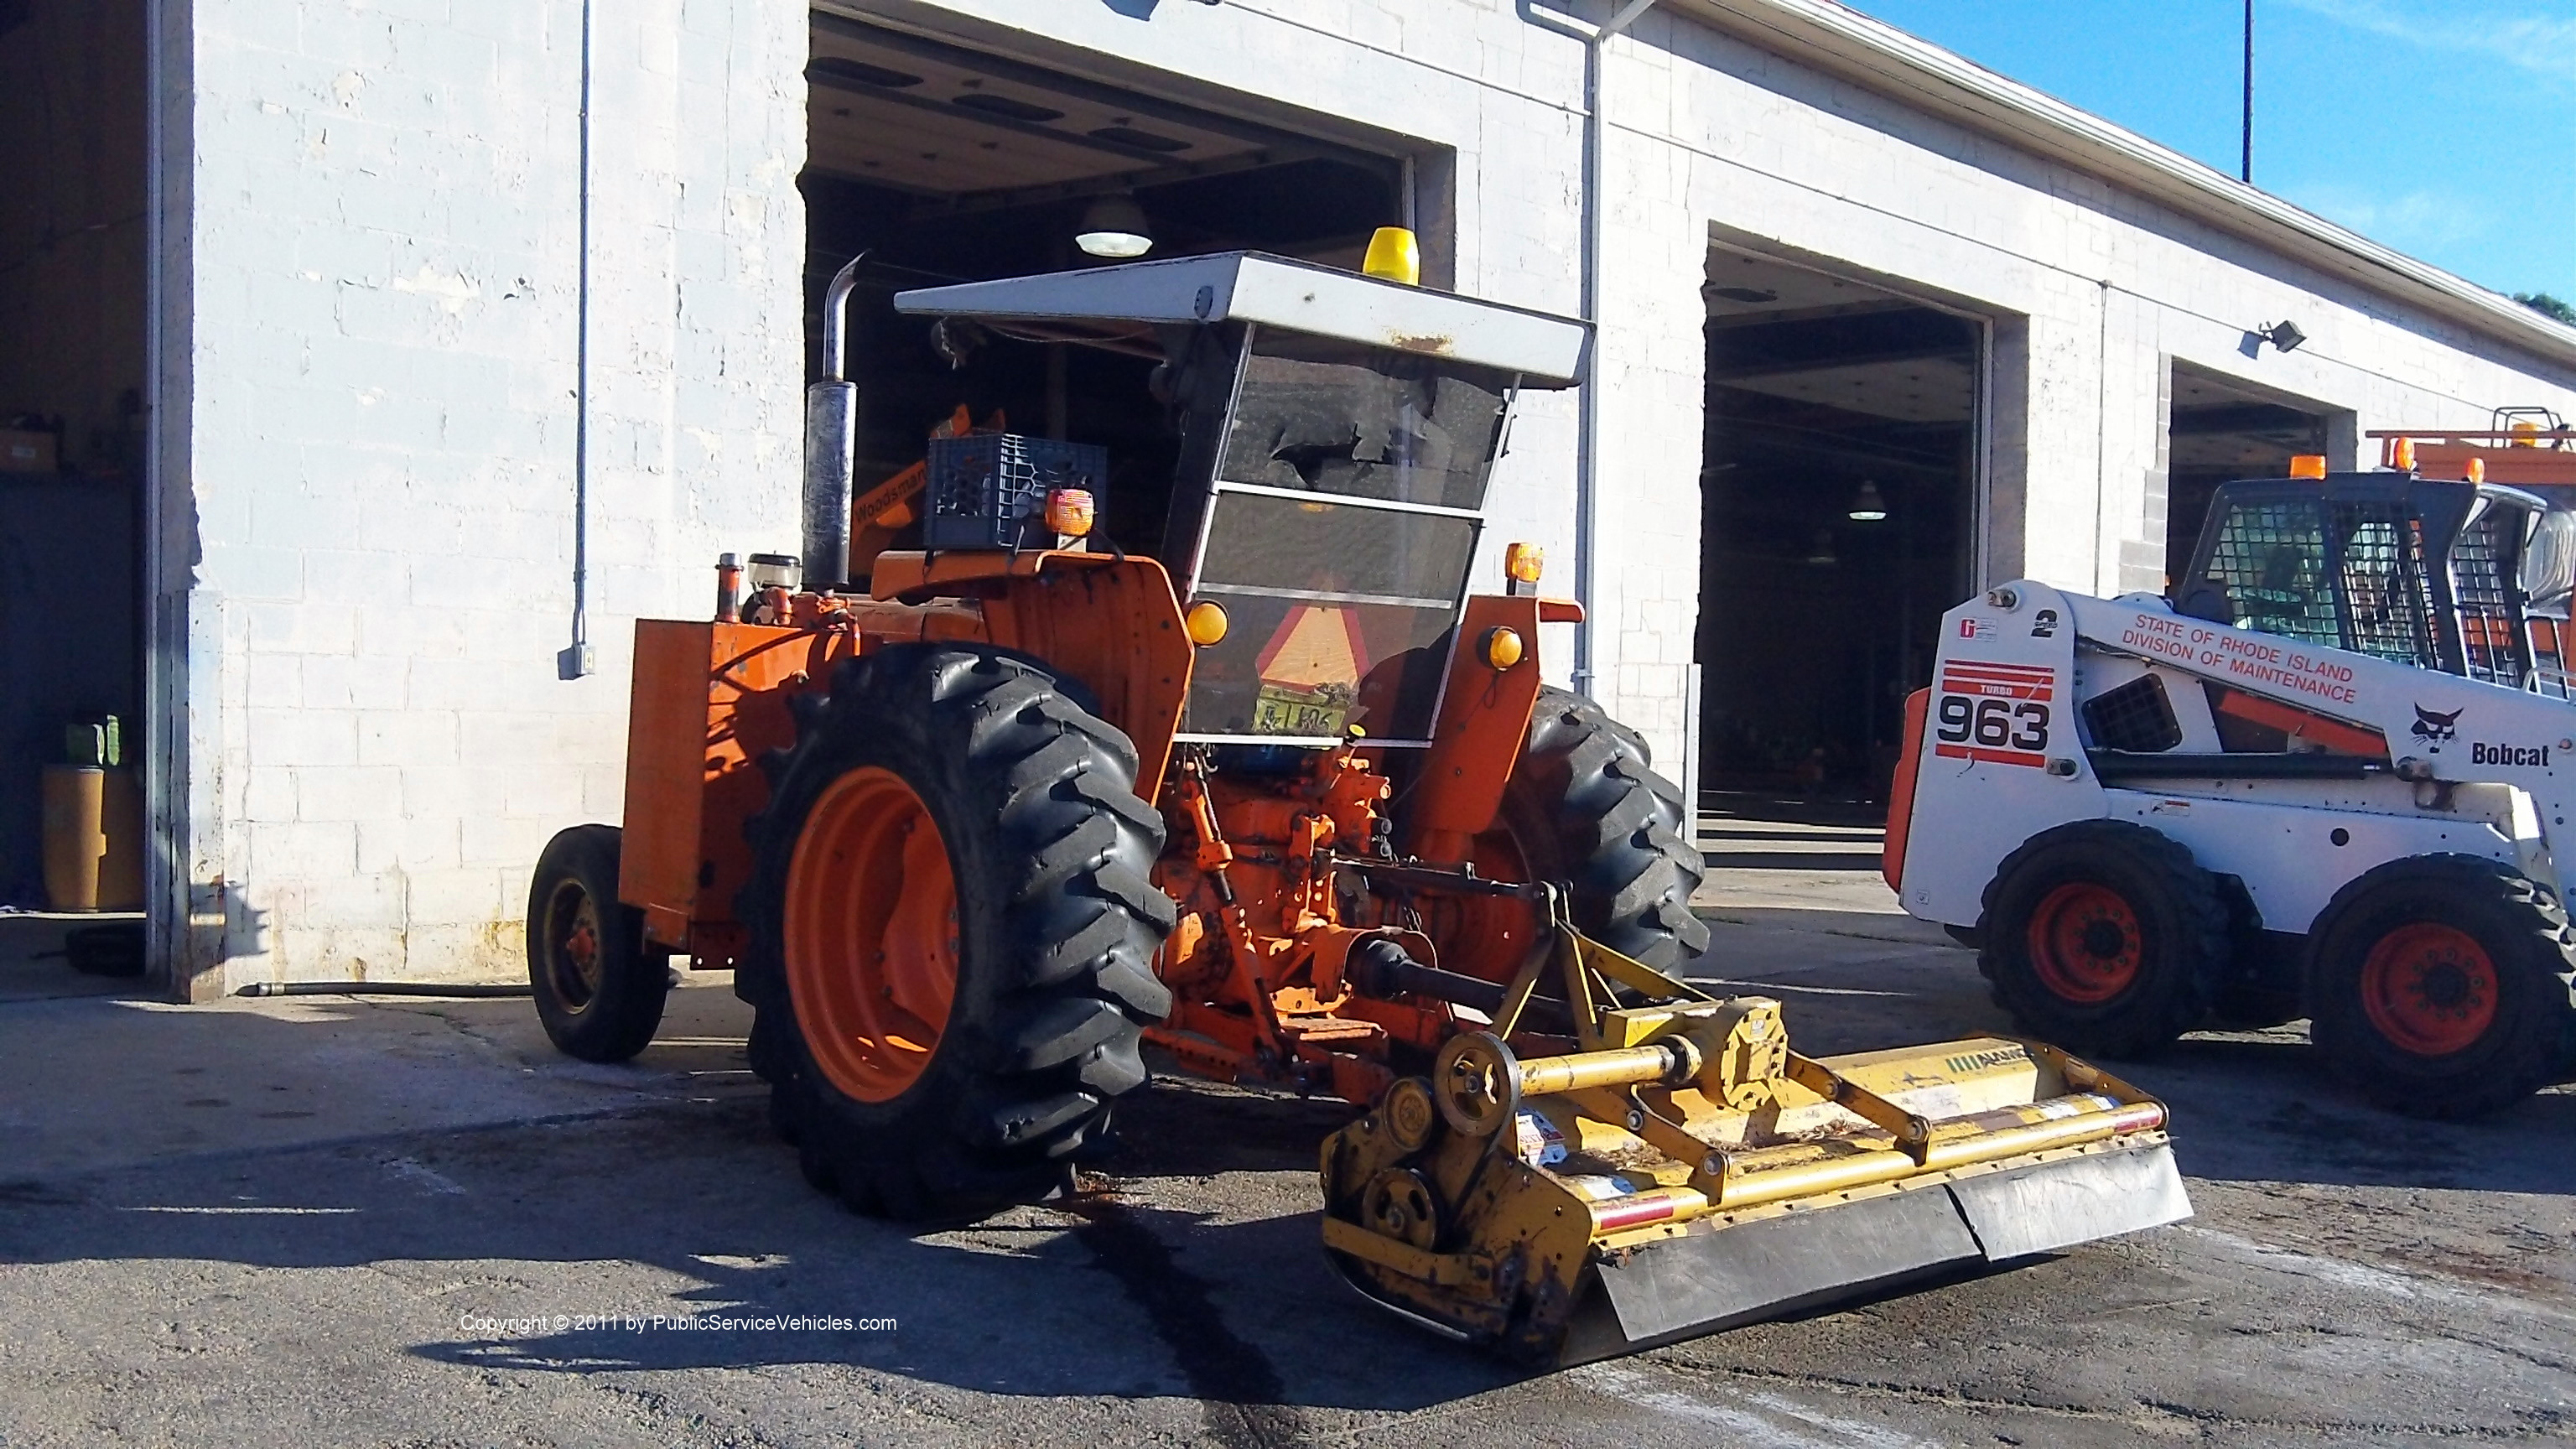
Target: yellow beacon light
[[1205, 622], [2308, 465], [1394, 256]]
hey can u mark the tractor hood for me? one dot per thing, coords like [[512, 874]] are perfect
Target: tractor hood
[[1127, 302]]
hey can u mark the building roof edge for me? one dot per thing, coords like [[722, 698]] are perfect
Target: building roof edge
[[1879, 57]]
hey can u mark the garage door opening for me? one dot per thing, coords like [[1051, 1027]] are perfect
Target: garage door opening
[[941, 165], [1839, 497], [2221, 430], [72, 287]]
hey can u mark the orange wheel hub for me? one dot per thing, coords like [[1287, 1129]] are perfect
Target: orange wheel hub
[[2429, 989], [2085, 943], [572, 940], [871, 934]]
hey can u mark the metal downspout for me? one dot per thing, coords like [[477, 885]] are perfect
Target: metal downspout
[[1587, 427]]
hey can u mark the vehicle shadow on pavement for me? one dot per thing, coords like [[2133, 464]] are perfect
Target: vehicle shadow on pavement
[[1190, 1271]]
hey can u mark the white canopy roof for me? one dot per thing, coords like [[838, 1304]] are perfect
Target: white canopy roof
[[1255, 287]]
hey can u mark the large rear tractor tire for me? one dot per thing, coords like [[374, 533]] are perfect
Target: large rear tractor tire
[[1585, 808], [952, 931], [2103, 937], [2443, 985], [599, 990]]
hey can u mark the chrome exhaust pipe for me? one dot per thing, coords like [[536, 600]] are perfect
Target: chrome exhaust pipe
[[831, 436]]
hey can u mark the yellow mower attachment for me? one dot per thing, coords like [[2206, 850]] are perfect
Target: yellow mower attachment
[[1684, 1171]]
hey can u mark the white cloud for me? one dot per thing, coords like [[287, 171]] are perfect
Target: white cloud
[[2544, 43], [2417, 222]]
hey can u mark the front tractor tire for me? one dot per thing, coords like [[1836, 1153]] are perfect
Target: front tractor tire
[[952, 932], [2104, 937], [1585, 808], [599, 988], [2441, 986]]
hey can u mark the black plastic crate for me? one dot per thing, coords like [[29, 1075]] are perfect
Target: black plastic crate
[[989, 490]]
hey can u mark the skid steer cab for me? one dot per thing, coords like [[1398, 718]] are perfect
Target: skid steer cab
[[984, 803], [2332, 779]]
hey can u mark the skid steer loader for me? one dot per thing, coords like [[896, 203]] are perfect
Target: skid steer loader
[[975, 819], [2330, 777]]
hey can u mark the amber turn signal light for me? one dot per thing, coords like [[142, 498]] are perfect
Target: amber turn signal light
[[1501, 648], [1069, 512], [1205, 622]]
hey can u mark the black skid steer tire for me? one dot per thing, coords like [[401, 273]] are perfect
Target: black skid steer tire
[[2104, 938], [1587, 811], [1057, 922], [2519, 993]]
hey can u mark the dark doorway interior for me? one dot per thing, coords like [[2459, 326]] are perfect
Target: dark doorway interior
[[72, 283], [1828, 401], [2222, 431], [946, 165]]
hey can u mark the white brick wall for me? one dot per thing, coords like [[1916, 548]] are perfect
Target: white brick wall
[[382, 271]]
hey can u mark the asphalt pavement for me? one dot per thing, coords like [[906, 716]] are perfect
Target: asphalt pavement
[[327, 1221]]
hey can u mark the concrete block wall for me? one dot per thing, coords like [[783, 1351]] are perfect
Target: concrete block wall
[[384, 259]]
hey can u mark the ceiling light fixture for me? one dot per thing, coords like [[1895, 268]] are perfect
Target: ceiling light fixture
[[1867, 505], [1823, 553], [1114, 226]]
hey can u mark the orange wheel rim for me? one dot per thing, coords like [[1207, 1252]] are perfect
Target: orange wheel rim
[[573, 966], [2430, 989], [2085, 942], [871, 935]]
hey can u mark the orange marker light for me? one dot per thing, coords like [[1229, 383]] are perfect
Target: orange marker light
[[1205, 622], [1502, 649], [2401, 455], [2477, 470], [1069, 512], [2308, 465]]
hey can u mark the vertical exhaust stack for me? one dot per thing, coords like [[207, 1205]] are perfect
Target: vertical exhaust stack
[[831, 427]]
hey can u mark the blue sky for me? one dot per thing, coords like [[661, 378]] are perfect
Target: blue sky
[[2443, 128]]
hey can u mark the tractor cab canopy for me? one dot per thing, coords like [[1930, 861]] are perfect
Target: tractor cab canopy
[[1337, 434]]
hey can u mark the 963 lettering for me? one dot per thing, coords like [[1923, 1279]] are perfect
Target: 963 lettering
[[1994, 714]]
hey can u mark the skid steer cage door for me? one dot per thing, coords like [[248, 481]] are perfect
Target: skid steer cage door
[[1337, 531]]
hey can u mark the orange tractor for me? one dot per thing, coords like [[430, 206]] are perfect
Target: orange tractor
[[975, 819]]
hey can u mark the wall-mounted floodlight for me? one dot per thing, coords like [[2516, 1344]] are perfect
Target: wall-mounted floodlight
[[2283, 335]]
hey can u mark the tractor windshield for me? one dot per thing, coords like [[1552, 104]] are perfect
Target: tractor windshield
[[1338, 533]]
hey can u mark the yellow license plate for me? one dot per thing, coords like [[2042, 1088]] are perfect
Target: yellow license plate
[[1277, 711]]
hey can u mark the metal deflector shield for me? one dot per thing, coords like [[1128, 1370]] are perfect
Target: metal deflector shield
[[1773, 1267]]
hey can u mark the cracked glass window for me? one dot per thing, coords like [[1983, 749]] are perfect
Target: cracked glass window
[[1327, 416]]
